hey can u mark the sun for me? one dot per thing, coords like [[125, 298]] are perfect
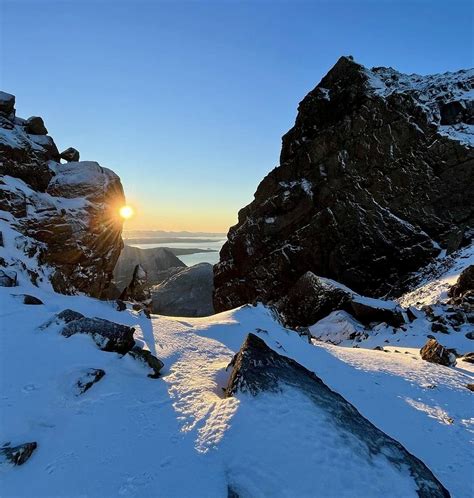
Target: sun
[[126, 212]]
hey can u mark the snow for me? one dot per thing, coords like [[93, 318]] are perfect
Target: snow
[[428, 91], [177, 436]]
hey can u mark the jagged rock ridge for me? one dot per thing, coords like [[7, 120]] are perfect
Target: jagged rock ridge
[[67, 213], [372, 183]]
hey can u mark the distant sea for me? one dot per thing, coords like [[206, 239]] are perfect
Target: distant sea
[[212, 244]]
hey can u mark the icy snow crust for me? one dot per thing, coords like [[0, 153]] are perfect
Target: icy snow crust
[[428, 91]]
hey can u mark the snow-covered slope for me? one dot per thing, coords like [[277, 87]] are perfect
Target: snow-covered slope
[[177, 436]]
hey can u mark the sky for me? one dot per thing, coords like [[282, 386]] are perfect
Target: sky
[[187, 101]]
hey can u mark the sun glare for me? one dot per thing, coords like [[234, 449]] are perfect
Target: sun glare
[[126, 212]]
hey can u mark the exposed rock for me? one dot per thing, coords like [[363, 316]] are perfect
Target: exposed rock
[[17, 455], [109, 336], [439, 327], [369, 184], [1, 239], [462, 292], [27, 299], [470, 387], [138, 289], [311, 299], [257, 368], [154, 261], [468, 358], [35, 126], [470, 335], [434, 352], [74, 231], [146, 357], [187, 293], [8, 278], [7, 104], [90, 377], [70, 155], [369, 311]]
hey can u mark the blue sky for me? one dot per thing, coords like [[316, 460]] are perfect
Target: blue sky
[[187, 101]]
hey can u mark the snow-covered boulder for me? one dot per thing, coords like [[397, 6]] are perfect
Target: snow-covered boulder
[[258, 370], [337, 327]]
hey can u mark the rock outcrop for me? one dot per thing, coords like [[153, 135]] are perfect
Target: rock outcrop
[[256, 368], [462, 292], [186, 293], [434, 352], [66, 214], [17, 455], [373, 179]]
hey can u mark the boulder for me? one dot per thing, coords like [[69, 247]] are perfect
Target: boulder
[[256, 369], [434, 352], [8, 278], [35, 126], [70, 155], [340, 203], [311, 299], [109, 336], [368, 310], [469, 335], [31, 300], [146, 357], [17, 455], [90, 377], [7, 103]]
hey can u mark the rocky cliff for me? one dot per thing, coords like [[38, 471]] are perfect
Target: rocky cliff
[[373, 182], [67, 214]]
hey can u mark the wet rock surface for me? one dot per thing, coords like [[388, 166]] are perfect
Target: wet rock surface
[[370, 184], [257, 368]]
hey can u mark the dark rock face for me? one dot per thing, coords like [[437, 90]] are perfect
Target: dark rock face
[[433, 352], [17, 455], [66, 213], [146, 357], [257, 368], [108, 336], [35, 126], [88, 379], [376, 311], [31, 300], [186, 293], [138, 289], [369, 183], [312, 298], [462, 292], [70, 155]]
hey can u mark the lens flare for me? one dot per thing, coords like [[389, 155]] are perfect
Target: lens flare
[[126, 212]]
